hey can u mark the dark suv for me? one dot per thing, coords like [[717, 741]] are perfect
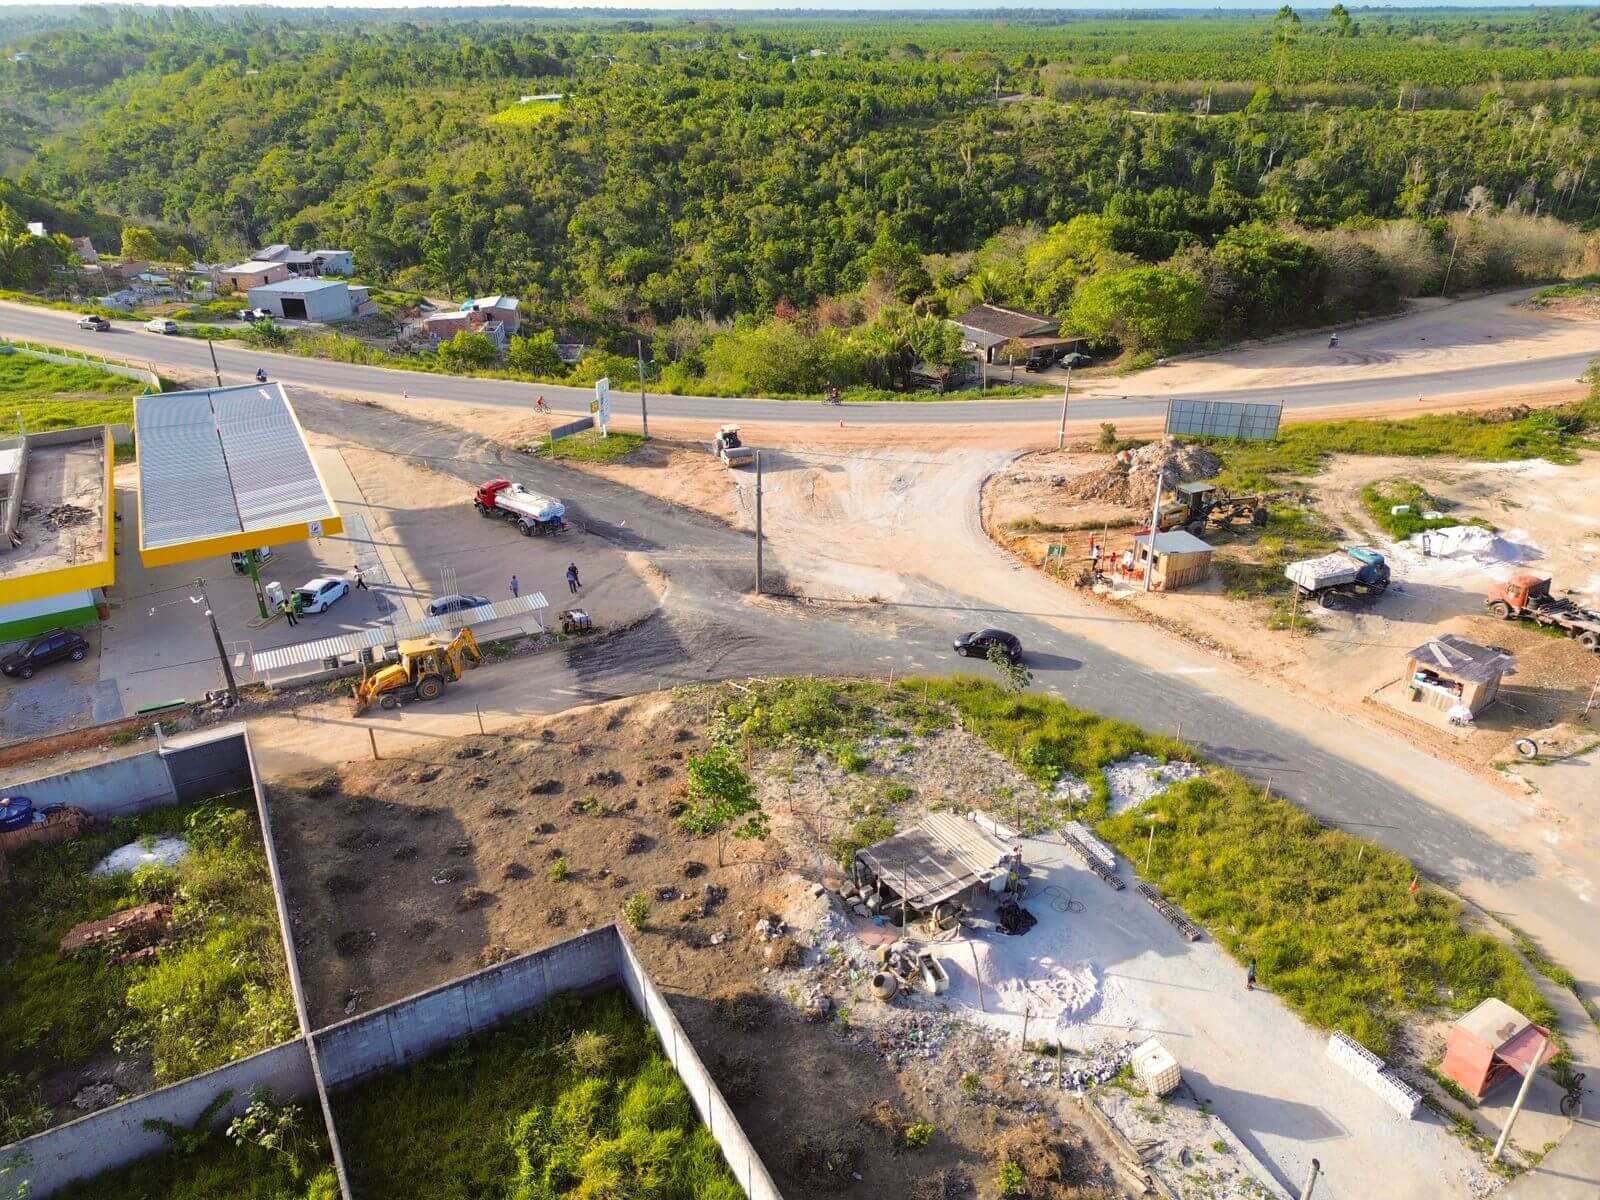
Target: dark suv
[[977, 645], [42, 651]]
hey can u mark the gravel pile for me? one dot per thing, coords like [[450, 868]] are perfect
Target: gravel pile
[[1138, 777]]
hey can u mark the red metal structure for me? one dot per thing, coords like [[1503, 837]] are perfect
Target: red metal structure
[[1492, 1041]]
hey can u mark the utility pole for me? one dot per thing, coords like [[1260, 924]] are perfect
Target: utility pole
[[1522, 1094], [253, 567], [1061, 439], [1311, 1180], [758, 522], [1450, 266], [644, 412], [216, 635], [1155, 521], [215, 370]]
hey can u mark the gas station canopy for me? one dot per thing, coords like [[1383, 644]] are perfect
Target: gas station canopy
[[225, 469]]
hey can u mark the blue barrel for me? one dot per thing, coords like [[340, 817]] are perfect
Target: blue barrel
[[16, 812]]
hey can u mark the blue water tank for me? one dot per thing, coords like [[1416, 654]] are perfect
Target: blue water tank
[[16, 812]]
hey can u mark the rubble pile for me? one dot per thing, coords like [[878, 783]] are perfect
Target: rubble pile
[[1130, 478]]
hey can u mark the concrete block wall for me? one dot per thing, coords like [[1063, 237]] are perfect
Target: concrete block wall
[[1371, 1070], [116, 1136], [741, 1156], [415, 1027]]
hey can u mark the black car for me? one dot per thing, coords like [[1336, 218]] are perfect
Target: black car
[[42, 651], [976, 645], [451, 604]]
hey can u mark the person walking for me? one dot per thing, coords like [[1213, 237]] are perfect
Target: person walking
[[573, 582], [516, 588], [1250, 976], [287, 610], [361, 579]]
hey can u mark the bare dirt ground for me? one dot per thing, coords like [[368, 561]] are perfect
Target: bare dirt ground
[[1435, 335], [408, 872], [1360, 646]]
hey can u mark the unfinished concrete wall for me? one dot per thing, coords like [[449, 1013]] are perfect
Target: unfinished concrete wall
[[741, 1156], [415, 1027], [209, 763], [116, 1136]]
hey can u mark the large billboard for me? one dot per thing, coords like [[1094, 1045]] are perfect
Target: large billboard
[[1224, 418]]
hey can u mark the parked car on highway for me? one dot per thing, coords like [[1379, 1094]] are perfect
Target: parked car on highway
[[43, 650], [254, 314], [977, 644], [451, 604], [95, 322], [318, 595], [161, 325]]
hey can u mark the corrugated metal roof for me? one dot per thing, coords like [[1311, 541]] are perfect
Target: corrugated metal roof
[[349, 644], [939, 857], [223, 461], [1176, 541], [300, 286]]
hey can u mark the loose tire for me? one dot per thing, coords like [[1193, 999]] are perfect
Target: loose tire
[[1500, 609], [1589, 639], [1527, 747], [430, 687], [1258, 516], [78, 653], [1571, 1106]]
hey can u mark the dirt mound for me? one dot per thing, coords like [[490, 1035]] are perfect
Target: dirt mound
[[1130, 478]]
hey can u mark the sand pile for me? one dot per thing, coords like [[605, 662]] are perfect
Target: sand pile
[[1468, 543], [1131, 477], [1139, 777]]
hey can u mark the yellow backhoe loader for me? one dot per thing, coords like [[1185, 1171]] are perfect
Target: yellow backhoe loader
[[425, 665]]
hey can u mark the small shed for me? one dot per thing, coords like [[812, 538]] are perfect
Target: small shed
[[1492, 1041], [1448, 671], [934, 863], [1181, 559]]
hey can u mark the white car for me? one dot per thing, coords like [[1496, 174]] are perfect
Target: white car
[[318, 595], [161, 325]]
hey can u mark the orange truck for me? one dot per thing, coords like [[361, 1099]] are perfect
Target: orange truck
[[1527, 597]]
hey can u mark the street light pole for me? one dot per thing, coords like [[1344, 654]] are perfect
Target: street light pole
[[644, 412], [1061, 439], [215, 370], [758, 522], [216, 635]]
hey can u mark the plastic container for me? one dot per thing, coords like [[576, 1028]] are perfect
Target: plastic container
[[1155, 1068], [16, 812]]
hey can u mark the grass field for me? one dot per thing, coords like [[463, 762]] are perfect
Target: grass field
[[589, 446], [573, 1100], [217, 991], [521, 116], [54, 396], [1555, 434]]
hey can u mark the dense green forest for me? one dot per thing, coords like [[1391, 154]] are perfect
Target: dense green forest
[[1155, 181]]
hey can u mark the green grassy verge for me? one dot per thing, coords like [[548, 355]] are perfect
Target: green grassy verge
[[218, 990], [210, 1165], [589, 446], [573, 1100], [1380, 498], [55, 396], [110, 314], [1330, 919], [221, 308], [1555, 434]]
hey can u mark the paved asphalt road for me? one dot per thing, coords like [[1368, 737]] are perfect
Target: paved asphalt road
[[709, 629], [127, 340]]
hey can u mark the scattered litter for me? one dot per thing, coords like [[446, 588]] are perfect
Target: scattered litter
[[162, 852], [1139, 777]]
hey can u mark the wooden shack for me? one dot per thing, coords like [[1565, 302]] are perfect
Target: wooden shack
[[1447, 671], [1180, 559]]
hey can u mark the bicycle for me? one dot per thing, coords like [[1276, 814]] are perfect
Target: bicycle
[[1572, 1102]]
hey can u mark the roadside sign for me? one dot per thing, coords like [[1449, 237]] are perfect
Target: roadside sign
[[600, 406], [1057, 550], [1224, 418]]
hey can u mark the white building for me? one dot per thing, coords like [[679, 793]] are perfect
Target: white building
[[311, 299]]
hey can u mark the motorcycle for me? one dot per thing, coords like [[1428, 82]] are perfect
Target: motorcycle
[[833, 397], [261, 375], [1572, 1102], [1333, 342]]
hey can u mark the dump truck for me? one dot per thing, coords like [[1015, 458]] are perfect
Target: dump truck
[[1528, 598], [532, 512], [1195, 505], [727, 446], [1353, 571], [423, 666]]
